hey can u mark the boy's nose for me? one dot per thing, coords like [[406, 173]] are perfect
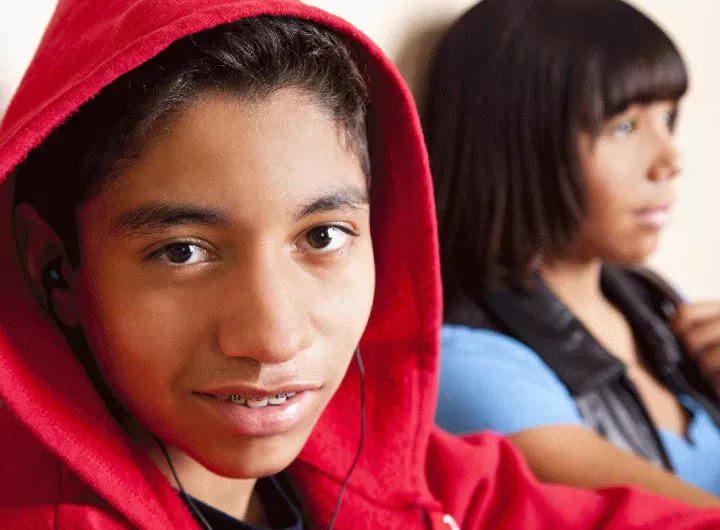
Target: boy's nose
[[267, 314]]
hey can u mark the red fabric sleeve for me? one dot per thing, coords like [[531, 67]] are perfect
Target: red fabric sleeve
[[484, 482]]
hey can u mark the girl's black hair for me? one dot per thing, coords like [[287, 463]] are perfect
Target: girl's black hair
[[251, 58], [512, 84]]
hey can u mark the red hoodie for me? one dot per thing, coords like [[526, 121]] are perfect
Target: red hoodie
[[65, 463]]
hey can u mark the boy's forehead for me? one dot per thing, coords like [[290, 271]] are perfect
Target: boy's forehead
[[232, 159]]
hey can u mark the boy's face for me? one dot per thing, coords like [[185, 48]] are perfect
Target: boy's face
[[232, 258]]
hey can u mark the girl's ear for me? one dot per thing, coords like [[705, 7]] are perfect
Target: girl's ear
[[47, 270]]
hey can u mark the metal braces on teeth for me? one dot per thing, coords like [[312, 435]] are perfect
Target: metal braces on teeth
[[260, 402]]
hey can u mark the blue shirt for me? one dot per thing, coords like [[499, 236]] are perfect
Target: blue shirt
[[489, 381]]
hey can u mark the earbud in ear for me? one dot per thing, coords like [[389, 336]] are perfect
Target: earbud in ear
[[58, 300], [52, 277]]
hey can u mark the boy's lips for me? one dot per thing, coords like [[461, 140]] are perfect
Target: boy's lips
[[270, 420], [229, 403]]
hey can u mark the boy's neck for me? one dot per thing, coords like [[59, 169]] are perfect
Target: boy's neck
[[235, 497]]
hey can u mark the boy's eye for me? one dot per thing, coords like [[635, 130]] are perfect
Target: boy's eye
[[624, 128], [182, 253], [328, 238]]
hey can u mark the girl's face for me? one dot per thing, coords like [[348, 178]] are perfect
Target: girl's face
[[630, 168], [233, 258]]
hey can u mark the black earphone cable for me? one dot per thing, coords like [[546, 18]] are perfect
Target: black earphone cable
[[198, 514], [361, 370], [188, 500]]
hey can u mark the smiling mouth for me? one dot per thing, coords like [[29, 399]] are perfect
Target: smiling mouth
[[255, 402], [259, 414]]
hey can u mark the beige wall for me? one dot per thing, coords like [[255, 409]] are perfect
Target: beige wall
[[21, 25], [408, 29]]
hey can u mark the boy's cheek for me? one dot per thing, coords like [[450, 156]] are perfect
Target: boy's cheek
[[136, 339]]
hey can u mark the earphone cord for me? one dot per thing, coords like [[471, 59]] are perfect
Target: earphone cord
[[188, 500], [361, 370], [198, 514]]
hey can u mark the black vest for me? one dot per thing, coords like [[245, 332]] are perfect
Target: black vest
[[604, 394]]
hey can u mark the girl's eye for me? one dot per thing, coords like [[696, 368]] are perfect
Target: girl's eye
[[624, 128], [328, 238], [670, 119], [180, 254]]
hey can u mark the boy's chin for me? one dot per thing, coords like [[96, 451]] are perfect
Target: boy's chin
[[257, 459], [249, 470]]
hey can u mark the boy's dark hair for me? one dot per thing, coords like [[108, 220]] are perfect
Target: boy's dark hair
[[513, 83], [250, 58]]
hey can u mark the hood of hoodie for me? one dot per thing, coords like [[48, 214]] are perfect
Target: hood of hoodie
[[87, 45]]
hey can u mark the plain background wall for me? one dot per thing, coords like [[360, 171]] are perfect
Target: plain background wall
[[409, 29]]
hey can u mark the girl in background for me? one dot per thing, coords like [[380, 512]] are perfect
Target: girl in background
[[550, 126]]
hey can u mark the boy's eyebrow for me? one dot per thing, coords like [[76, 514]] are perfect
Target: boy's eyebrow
[[164, 215], [350, 197]]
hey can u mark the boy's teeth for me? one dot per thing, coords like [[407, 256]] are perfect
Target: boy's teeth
[[277, 400], [238, 400], [256, 403]]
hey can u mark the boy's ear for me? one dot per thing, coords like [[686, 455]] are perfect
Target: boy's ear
[[47, 270]]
